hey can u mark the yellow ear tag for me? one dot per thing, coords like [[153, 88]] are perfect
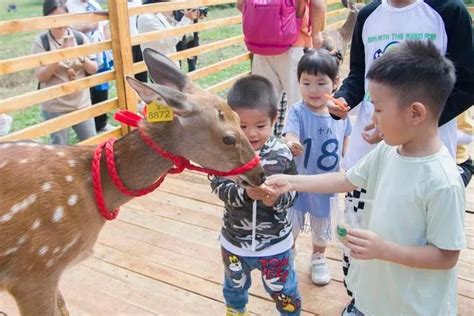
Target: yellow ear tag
[[158, 112]]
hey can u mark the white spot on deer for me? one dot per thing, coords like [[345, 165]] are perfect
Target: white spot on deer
[[71, 162], [60, 153], [58, 214], [23, 161], [43, 250], [56, 250], [46, 186], [4, 146], [10, 251], [18, 208], [33, 144], [70, 244], [6, 217], [49, 147], [50, 262], [3, 164], [72, 200], [69, 178], [36, 224], [22, 240]]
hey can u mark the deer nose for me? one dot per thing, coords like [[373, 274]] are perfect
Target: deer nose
[[263, 177]]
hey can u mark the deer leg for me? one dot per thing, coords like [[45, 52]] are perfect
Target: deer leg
[[38, 297]]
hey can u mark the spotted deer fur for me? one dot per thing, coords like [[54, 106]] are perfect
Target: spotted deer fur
[[48, 215]]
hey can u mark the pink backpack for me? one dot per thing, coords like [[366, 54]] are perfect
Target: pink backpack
[[270, 26]]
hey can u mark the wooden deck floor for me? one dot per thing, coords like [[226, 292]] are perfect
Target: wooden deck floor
[[161, 257]]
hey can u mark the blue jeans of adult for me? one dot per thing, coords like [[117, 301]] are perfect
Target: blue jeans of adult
[[83, 130], [278, 276]]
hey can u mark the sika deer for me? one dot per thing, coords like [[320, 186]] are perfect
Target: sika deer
[[48, 215], [340, 38]]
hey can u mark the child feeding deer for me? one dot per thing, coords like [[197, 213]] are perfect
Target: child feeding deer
[[50, 210]]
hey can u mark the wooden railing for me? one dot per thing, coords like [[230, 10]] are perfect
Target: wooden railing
[[120, 43]]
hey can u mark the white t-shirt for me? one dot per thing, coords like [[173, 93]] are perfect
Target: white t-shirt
[[417, 201], [133, 19], [385, 27]]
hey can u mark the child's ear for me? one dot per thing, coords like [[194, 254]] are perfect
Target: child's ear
[[418, 113]]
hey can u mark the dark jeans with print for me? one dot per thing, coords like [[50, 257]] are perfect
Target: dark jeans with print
[[278, 276]]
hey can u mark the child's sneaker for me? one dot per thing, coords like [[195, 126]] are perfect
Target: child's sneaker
[[319, 269], [235, 312]]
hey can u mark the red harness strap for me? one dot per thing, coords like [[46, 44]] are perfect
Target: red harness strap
[[180, 163]]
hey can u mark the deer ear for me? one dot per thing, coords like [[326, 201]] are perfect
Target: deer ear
[[165, 72], [165, 95]]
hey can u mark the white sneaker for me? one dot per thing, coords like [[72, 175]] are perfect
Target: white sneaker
[[320, 274]]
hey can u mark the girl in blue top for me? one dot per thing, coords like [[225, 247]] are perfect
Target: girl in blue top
[[317, 141]]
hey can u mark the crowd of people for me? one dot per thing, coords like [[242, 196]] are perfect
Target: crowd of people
[[411, 79]]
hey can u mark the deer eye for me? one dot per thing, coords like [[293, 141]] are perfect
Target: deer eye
[[221, 115], [228, 140]]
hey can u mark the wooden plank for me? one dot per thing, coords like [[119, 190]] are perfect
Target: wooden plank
[[214, 68], [35, 97], [123, 60], [181, 30], [336, 13], [63, 121], [47, 22], [196, 51], [227, 83], [41, 59], [114, 133]]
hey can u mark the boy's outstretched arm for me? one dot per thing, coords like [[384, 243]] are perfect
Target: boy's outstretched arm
[[366, 245], [332, 182]]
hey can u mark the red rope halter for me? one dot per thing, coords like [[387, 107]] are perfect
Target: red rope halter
[[180, 164]]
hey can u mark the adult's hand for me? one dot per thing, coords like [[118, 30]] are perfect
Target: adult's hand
[[337, 109]]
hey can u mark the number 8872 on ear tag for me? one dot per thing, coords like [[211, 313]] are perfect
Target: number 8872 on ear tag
[[157, 112]]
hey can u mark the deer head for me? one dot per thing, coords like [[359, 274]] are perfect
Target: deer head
[[204, 130], [49, 218]]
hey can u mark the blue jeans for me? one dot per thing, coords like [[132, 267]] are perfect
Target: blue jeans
[[84, 130], [278, 276]]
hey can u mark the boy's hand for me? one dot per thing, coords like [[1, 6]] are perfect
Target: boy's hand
[[364, 244], [295, 147], [338, 110], [257, 193], [372, 134], [278, 184], [270, 198]]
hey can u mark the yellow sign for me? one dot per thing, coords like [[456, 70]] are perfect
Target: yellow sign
[[157, 112]]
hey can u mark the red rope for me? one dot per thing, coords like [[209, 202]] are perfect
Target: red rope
[[180, 163]]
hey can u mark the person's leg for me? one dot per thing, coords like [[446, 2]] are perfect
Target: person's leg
[[287, 72], [321, 234], [60, 137], [85, 130], [265, 66], [96, 97], [138, 56], [237, 281], [280, 281]]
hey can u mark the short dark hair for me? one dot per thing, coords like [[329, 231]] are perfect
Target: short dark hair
[[253, 92], [52, 5], [320, 61], [417, 72]]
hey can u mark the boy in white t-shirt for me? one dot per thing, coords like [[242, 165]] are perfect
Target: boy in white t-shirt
[[406, 257]]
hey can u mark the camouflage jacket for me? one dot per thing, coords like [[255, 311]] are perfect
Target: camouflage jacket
[[272, 225]]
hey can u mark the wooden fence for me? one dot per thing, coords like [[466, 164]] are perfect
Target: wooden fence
[[120, 44]]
